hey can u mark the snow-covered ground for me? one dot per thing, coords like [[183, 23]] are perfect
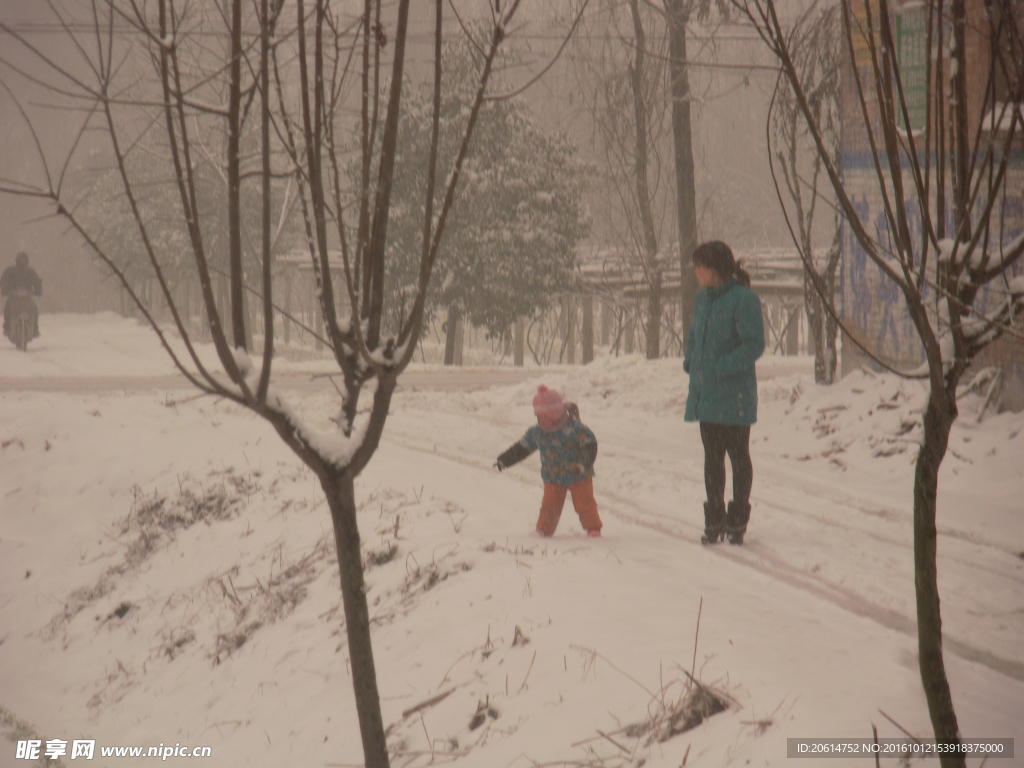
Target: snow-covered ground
[[167, 573]]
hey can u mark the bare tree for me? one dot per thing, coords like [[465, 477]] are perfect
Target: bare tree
[[677, 14], [626, 74], [944, 158], [815, 44], [146, 67], [649, 239]]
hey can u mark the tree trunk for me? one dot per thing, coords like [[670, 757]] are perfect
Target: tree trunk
[[793, 332], [686, 196], [938, 420], [587, 331], [460, 341], [831, 349], [318, 319], [342, 502], [234, 180], [654, 318], [285, 322], [450, 327], [643, 193], [223, 298], [821, 325], [202, 313], [823, 331], [570, 330], [252, 312], [518, 345], [816, 327]]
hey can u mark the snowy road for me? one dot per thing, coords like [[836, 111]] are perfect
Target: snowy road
[[106, 353], [298, 382], [454, 379]]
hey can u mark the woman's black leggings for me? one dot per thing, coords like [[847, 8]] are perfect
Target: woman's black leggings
[[733, 439]]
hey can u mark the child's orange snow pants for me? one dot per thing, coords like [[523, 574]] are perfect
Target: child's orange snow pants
[[582, 499]]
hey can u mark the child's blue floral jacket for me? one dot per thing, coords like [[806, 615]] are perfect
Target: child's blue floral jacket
[[563, 452], [572, 444]]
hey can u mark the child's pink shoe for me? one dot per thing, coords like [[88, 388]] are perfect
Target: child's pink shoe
[[594, 534]]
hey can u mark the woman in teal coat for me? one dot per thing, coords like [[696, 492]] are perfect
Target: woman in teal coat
[[726, 337]]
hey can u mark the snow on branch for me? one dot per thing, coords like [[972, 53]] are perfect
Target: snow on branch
[[984, 329], [331, 447], [979, 330]]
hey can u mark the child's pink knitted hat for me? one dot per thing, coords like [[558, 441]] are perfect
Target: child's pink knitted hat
[[547, 401]]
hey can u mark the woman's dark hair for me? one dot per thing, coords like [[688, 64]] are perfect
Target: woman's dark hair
[[716, 255]]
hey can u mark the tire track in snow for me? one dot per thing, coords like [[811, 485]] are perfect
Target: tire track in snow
[[768, 483], [846, 599]]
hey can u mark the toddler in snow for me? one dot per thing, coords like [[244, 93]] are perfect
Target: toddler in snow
[[567, 453]]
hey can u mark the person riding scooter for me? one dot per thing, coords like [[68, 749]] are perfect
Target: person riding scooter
[[19, 284]]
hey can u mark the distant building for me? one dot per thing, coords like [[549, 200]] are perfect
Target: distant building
[[873, 308]]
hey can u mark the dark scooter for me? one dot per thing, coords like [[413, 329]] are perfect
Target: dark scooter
[[21, 328]]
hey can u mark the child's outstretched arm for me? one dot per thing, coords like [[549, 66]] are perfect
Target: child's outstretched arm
[[513, 455]]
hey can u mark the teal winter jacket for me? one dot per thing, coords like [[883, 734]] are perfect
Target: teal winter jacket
[[726, 337]]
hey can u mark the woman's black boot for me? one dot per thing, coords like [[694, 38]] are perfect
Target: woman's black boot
[[736, 521], [714, 522]]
